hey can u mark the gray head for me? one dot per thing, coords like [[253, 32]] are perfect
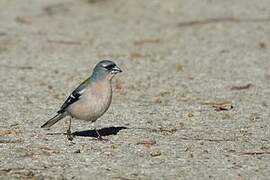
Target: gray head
[[105, 69]]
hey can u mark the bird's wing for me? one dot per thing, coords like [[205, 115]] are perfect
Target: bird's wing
[[74, 96]]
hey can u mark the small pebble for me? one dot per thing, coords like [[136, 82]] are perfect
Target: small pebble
[[155, 153]]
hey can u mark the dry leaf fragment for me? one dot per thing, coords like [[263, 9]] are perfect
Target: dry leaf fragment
[[247, 86], [223, 107], [7, 132], [220, 106], [165, 131], [146, 41], [147, 142]]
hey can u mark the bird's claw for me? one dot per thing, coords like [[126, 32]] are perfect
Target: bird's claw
[[100, 138], [70, 136]]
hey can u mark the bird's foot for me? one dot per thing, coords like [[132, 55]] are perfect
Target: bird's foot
[[70, 136], [100, 138]]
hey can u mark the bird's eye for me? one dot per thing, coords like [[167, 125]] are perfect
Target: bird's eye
[[110, 67]]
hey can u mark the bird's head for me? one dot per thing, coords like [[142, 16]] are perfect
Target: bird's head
[[105, 69]]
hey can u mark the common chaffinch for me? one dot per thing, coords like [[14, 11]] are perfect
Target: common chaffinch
[[91, 99]]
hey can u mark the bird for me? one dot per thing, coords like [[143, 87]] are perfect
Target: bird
[[91, 99]]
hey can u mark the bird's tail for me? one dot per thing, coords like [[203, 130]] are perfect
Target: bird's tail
[[53, 120]]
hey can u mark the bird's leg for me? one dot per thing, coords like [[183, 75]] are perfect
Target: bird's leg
[[69, 134], [100, 138]]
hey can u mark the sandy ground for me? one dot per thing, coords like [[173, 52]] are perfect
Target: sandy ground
[[192, 103]]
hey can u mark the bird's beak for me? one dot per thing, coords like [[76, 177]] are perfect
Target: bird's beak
[[116, 70]]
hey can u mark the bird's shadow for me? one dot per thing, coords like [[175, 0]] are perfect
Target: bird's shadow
[[103, 132]]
